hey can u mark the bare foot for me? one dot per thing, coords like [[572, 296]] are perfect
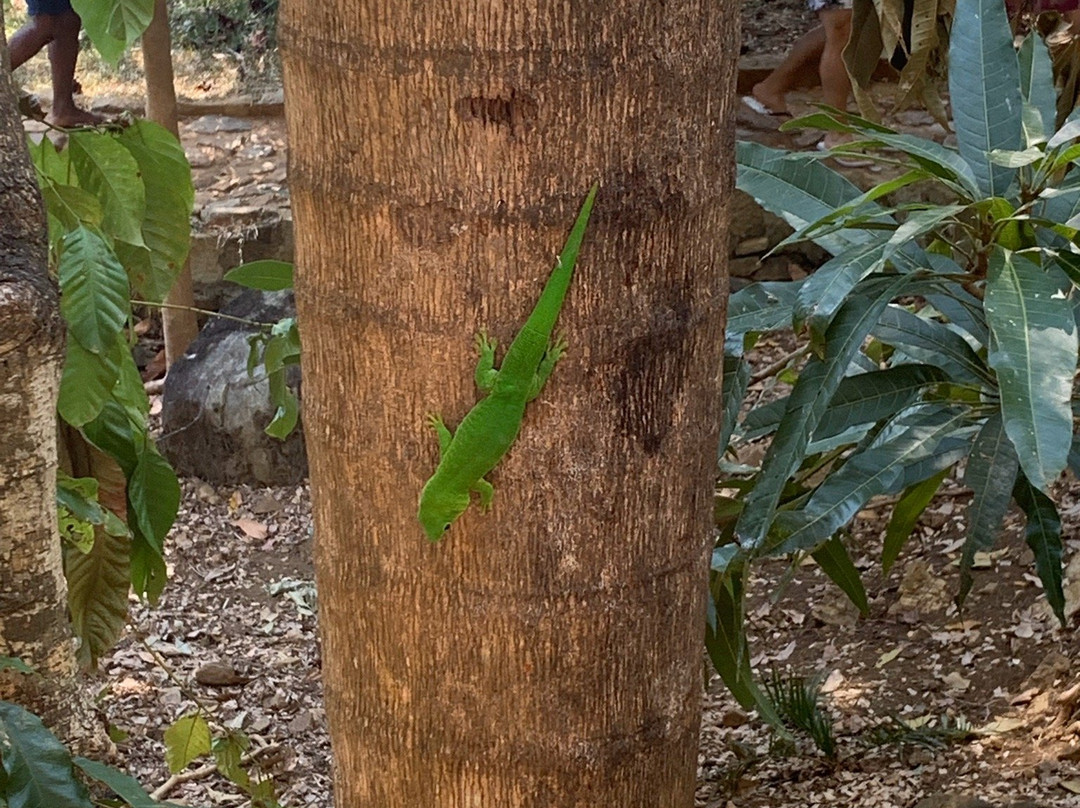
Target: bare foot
[[72, 118], [774, 102]]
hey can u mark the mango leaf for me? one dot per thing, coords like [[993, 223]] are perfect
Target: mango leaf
[[123, 785], [1043, 535], [985, 93], [906, 515], [931, 343], [115, 25], [1033, 349], [761, 307], [991, 475], [269, 276], [799, 189], [186, 739], [170, 195], [1037, 90], [825, 290], [833, 558], [809, 399], [88, 380], [98, 581], [107, 170], [93, 290], [919, 444], [38, 767], [733, 391]]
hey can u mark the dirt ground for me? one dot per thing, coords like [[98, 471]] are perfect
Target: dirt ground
[[236, 631]]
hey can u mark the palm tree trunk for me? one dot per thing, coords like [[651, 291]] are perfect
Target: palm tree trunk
[[547, 653]]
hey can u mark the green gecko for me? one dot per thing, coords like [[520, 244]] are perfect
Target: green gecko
[[490, 427]]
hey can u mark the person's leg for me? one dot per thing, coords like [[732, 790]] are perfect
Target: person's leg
[[31, 38], [63, 54], [805, 54], [835, 82]]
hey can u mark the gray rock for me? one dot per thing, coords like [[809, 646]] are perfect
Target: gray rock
[[213, 414]]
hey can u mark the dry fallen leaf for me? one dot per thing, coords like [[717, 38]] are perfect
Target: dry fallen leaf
[[252, 529], [1000, 726], [1072, 786], [956, 683], [888, 657]]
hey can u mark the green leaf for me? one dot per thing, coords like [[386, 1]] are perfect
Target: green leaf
[[88, 380], [111, 432], [14, 664], [931, 343], [763, 306], [809, 399], [93, 290], [733, 389], [170, 195], [288, 408], [107, 170], [1033, 349], [228, 753], [38, 766], [98, 586], [1037, 89], [269, 276], [833, 558], [153, 496], [985, 94], [79, 495], [148, 572], [918, 445], [799, 189], [115, 25], [906, 515], [1043, 535], [186, 739], [991, 475], [825, 290], [123, 785], [71, 205]]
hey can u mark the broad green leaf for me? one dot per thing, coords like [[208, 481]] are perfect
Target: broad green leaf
[[833, 558], [93, 290], [170, 195], [79, 495], [991, 475], [1037, 89], [98, 586], [931, 343], [1033, 349], [809, 399], [920, 445], [88, 380], [114, 26], [763, 306], [186, 739], [107, 170], [71, 205], [51, 163], [906, 515], [148, 572], [1043, 535], [269, 276], [111, 432], [153, 496], [38, 767], [228, 753], [123, 785], [985, 93], [797, 188]]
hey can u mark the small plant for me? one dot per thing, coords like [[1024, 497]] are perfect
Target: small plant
[[926, 733], [938, 339], [798, 702]]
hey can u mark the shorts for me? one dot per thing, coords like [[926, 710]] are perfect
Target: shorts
[[57, 7], [821, 5]]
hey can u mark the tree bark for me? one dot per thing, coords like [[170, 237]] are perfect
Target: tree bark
[[547, 653], [33, 611], [178, 318]]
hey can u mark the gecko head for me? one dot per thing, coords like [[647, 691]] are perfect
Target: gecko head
[[438, 512]]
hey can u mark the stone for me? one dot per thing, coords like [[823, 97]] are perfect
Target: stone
[[213, 413], [952, 801], [218, 123]]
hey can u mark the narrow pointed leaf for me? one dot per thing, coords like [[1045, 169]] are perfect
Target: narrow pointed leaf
[[761, 307], [931, 343], [269, 276], [1037, 89], [830, 284], [1043, 535], [1033, 349], [736, 380], [985, 92], [124, 785], [833, 558], [991, 475], [906, 515]]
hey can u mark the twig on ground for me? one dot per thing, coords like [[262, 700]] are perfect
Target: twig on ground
[[205, 771]]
